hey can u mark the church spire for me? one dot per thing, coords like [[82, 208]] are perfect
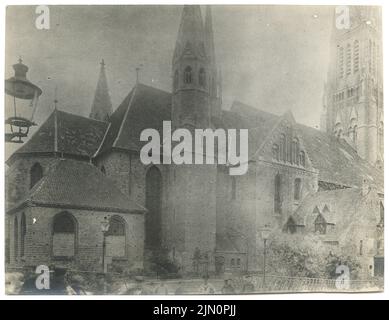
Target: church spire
[[191, 69], [209, 36], [190, 40], [101, 106], [214, 72]]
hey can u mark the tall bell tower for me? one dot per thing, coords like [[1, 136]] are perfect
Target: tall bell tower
[[353, 99], [192, 197]]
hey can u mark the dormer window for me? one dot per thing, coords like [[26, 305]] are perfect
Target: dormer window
[[320, 225]]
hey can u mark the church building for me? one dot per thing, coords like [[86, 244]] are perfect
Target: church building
[[75, 173]]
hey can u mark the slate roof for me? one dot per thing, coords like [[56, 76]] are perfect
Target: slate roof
[[66, 133], [335, 159], [144, 107], [79, 185], [345, 207], [147, 107]]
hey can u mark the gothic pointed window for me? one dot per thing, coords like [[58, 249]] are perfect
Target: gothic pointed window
[[283, 147], [340, 62], [277, 194], [348, 59], [295, 151], [290, 226], [188, 75], [302, 158], [175, 81], [356, 56], [320, 225], [202, 78], [64, 235], [276, 152], [297, 189], [36, 173]]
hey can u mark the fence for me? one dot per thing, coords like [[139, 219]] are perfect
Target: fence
[[240, 283]]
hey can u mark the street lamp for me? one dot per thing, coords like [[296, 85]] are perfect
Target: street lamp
[[265, 234], [104, 229]]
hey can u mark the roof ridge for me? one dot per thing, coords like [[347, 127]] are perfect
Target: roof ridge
[[81, 116], [151, 87], [134, 92]]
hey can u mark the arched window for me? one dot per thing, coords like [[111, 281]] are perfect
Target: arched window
[[116, 237], [16, 238], [356, 56], [233, 188], [277, 194], [283, 147], [103, 170], [202, 78], [290, 226], [238, 263], [233, 263], [297, 189], [320, 225], [153, 205], [23, 231], [340, 62], [64, 235], [295, 151], [276, 152], [348, 59], [188, 75], [175, 81], [36, 173], [302, 158]]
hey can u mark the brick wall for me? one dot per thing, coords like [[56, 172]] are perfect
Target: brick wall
[[89, 239]]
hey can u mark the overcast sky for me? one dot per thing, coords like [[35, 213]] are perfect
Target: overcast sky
[[272, 57]]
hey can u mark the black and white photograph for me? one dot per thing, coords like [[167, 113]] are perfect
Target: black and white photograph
[[195, 149]]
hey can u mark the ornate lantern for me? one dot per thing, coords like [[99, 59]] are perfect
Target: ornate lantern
[[19, 87]]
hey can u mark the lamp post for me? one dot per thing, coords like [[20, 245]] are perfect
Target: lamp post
[[104, 229], [265, 233]]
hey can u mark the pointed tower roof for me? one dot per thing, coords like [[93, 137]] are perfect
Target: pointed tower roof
[[101, 106], [209, 43], [190, 40]]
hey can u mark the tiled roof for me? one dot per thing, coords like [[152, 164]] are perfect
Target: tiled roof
[[66, 133], [79, 185], [345, 206], [336, 161], [144, 107]]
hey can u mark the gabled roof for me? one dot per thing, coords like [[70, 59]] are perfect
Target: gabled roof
[[258, 123], [336, 161], [144, 107], [78, 185], [346, 206], [65, 133]]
